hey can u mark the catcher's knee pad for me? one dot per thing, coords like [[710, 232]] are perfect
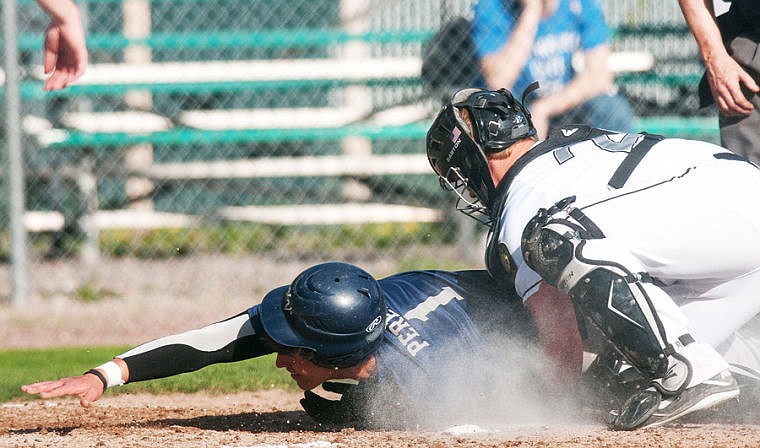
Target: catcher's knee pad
[[570, 253]]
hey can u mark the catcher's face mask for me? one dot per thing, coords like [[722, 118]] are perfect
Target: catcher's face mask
[[459, 161], [475, 123]]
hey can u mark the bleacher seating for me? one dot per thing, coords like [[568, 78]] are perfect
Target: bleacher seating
[[377, 98], [357, 117]]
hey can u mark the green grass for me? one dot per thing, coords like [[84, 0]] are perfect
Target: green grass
[[19, 367], [240, 238], [235, 238]]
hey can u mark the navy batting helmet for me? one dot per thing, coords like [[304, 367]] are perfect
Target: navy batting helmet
[[335, 310], [458, 143]]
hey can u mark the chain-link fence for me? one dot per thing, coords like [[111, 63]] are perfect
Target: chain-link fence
[[289, 130]]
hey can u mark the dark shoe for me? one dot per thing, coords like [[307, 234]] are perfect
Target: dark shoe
[[649, 408]]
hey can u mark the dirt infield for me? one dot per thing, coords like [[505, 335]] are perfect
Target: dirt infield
[[273, 419], [155, 298]]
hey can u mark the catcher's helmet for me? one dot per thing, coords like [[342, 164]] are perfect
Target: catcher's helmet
[[337, 311], [458, 143]]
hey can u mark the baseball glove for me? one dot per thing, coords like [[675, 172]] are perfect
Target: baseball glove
[[348, 410], [366, 405]]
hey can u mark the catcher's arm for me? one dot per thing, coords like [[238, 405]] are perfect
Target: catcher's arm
[[558, 333], [230, 340]]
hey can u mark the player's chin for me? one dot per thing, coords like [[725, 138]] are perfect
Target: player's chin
[[304, 383]]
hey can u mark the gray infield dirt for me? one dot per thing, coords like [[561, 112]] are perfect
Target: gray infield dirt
[[140, 300]]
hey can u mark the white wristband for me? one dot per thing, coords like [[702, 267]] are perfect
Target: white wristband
[[112, 372]]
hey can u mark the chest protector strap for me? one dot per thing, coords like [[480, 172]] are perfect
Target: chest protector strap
[[632, 160]]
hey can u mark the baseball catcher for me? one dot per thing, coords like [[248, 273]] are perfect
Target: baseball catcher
[[653, 241]]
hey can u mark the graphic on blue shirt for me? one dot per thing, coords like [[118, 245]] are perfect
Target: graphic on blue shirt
[[577, 25], [428, 330]]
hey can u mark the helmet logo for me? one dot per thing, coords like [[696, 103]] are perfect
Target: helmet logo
[[520, 129], [457, 140], [371, 327], [288, 305], [455, 134]]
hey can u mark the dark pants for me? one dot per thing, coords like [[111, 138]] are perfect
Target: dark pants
[[742, 134]]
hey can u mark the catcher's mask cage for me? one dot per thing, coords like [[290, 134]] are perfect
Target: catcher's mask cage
[[335, 312], [458, 144]]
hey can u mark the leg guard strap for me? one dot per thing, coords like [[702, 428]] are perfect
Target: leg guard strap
[[563, 246]]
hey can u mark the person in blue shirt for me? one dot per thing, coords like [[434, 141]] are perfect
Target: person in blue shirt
[[414, 345], [522, 41]]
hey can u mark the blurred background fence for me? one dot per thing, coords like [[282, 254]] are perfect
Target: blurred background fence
[[293, 130]]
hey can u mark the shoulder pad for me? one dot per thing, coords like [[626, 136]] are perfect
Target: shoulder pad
[[573, 133]]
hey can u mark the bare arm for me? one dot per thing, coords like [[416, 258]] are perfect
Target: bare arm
[[595, 79], [65, 50], [560, 340], [724, 74], [230, 340], [502, 68]]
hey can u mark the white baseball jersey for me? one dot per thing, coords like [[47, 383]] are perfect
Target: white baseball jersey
[[686, 212]]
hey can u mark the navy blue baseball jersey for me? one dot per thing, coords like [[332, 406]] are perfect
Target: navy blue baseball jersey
[[429, 313], [438, 323]]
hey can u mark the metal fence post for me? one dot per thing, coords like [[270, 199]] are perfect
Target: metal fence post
[[15, 166]]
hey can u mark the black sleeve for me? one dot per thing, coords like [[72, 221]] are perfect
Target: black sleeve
[[229, 340]]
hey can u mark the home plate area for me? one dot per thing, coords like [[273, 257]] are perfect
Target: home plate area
[[274, 419]]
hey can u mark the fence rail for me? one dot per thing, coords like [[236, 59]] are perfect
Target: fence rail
[[286, 114]]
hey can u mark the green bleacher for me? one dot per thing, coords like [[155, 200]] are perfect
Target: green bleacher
[[196, 31]]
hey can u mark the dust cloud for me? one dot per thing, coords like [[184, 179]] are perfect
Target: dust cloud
[[506, 385]]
